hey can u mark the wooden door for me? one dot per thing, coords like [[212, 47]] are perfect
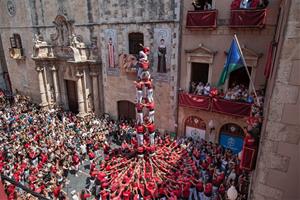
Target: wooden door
[[72, 96], [126, 110]]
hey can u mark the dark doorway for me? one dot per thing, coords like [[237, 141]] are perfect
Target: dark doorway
[[126, 110], [134, 40], [239, 77], [199, 72], [4, 76], [72, 96]]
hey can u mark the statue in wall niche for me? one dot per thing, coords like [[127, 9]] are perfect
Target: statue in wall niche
[[74, 41], [94, 54], [90, 102], [162, 51], [52, 94], [40, 47], [78, 49]]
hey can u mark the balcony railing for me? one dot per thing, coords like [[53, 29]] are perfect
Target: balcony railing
[[227, 107], [201, 19], [248, 18]]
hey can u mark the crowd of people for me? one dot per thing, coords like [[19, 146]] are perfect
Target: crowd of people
[[180, 169], [236, 4], [39, 148], [249, 4], [238, 92]]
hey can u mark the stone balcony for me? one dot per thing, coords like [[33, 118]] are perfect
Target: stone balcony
[[248, 18], [218, 105], [201, 19]]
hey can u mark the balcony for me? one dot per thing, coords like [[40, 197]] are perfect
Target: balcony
[[16, 53], [201, 19], [218, 105], [248, 18]]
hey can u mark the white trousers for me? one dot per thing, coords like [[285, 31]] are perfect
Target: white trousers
[[140, 139], [152, 136]]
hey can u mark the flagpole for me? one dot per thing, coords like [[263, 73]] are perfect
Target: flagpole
[[245, 65]]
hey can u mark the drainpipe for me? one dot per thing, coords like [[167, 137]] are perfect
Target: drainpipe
[[179, 63]]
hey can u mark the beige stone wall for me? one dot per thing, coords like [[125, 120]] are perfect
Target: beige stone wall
[[219, 39], [121, 87], [277, 175]]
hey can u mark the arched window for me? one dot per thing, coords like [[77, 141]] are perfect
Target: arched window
[[231, 137], [232, 129], [195, 128], [134, 40]]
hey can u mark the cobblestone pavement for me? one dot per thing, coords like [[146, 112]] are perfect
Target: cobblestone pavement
[[80, 182]]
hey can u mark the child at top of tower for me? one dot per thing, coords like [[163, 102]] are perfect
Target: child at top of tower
[[143, 54]]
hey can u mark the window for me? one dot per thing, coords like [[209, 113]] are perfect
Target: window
[[239, 77], [199, 72], [15, 41], [134, 40]]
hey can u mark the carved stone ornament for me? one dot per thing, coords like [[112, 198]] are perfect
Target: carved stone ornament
[[11, 7], [41, 49]]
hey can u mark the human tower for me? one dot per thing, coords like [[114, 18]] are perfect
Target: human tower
[[148, 167], [144, 105]]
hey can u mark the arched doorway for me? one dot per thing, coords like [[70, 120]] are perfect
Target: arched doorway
[[232, 137], [195, 128], [126, 110]]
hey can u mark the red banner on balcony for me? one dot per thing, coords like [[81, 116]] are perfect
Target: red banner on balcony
[[234, 108], [202, 19], [194, 101], [248, 18]]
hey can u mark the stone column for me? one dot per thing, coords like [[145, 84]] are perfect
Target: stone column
[[47, 83], [42, 86], [55, 84], [80, 95], [94, 76], [88, 91]]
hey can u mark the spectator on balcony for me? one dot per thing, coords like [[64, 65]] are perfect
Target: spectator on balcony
[[198, 4], [192, 87], [245, 4], [199, 89], [207, 89], [202, 4], [263, 4], [207, 5]]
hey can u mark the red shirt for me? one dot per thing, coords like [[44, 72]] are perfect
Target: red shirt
[[199, 186], [140, 129], [85, 196], [186, 192], [208, 189], [151, 127], [126, 195], [91, 155], [150, 106], [56, 191], [249, 141]]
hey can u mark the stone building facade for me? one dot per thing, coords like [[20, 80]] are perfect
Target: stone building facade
[[79, 76], [154, 20], [203, 50], [277, 174]]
